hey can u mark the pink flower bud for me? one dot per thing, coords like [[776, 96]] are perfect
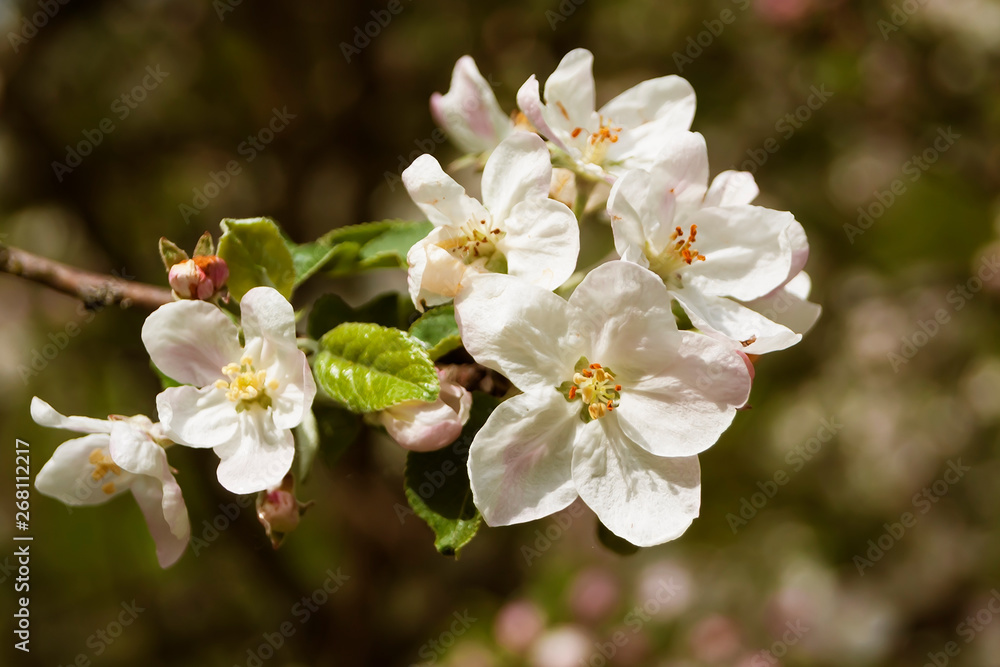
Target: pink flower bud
[[198, 278], [279, 511], [424, 427]]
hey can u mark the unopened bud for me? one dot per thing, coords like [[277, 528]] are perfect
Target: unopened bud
[[199, 278], [279, 511]]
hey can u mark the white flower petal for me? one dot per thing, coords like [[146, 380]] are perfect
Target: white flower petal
[[469, 112], [542, 242], [197, 417], [435, 276], [787, 308], [624, 311], [668, 98], [520, 461], [442, 200], [293, 398], [795, 237], [190, 341], [68, 475], [45, 415], [518, 329], [268, 317], [518, 170], [259, 455], [645, 499], [682, 168], [745, 255], [569, 92], [166, 515], [529, 100], [737, 322], [681, 408], [732, 188], [634, 220], [133, 449], [425, 427]]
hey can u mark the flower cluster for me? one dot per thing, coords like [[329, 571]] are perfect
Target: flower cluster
[[607, 381]]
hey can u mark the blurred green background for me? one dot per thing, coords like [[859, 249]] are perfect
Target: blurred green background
[[784, 587]]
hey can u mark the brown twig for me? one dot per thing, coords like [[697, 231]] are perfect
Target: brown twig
[[95, 290]]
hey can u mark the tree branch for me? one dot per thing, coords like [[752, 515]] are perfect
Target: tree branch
[[95, 290]]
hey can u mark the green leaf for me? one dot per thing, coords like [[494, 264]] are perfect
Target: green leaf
[[367, 367], [205, 246], [619, 545], [372, 245], [338, 430], [389, 310], [170, 253], [437, 484], [308, 258], [437, 331], [256, 255]]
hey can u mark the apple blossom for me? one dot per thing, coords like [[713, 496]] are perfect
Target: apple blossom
[[715, 252], [616, 402], [245, 399], [199, 278], [627, 132], [421, 426], [117, 454], [517, 229], [469, 112]]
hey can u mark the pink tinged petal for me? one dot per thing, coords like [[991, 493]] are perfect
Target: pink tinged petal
[[669, 99], [518, 170], [197, 417], [425, 427], [732, 188], [518, 329], [469, 112], [45, 415], [190, 341], [645, 499], [267, 316], [736, 321], [68, 475], [530, 102], [259, 455], [745, 253], [624, 312], [542, 242], [795, 238], [629, 208], [569, 92], [682, 407], [520, 461], [166, 515], [435, 275], [442, 200], [292, 400]]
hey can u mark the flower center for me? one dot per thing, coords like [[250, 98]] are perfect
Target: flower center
[[478, 241], [680, 252], [103, 466], [598, 142], [246, 386], [595, 387]]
